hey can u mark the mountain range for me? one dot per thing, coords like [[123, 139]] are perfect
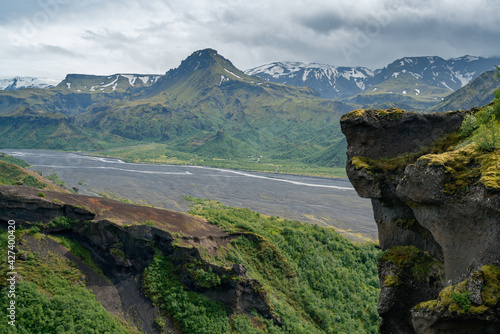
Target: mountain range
[[206, 107], [410, 82]]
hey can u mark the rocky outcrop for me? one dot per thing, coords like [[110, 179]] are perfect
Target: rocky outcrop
[[438, 220], [123, 239]]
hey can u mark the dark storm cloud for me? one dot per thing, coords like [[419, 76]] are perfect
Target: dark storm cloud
[[325, 23]]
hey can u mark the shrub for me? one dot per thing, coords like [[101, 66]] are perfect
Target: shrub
[[34, 230], [469, 124], [32, 181], [462, 299], [206, 279], [54, 177], [61, 221], [160, 323], [41, 194], [487, 137]]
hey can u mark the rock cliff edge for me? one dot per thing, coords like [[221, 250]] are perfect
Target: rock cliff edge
[[437, 208]]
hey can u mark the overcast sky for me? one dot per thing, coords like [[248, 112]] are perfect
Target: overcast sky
[[51, 38]]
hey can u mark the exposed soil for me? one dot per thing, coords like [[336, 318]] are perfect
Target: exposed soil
[[120, 213]]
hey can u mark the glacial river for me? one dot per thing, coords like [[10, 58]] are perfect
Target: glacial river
[[328, 202]]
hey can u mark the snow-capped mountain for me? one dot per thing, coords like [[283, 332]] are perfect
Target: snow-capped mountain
[[330, 81], [83, 83], [414, 74], [27, 82], [435, 71]]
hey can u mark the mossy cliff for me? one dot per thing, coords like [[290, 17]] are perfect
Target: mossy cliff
[[435, 194]]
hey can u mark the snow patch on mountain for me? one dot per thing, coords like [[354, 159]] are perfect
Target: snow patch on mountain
[[233, 74], [131, 78], [27, 82], [464, 78]]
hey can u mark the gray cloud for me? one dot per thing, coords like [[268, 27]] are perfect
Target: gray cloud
[[109, 36]]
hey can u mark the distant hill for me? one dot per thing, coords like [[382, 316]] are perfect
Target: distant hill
[[477, 93], [82, 83], [410, 82]]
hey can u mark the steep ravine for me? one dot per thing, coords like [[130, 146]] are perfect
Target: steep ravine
[[438, 220], [123, 239]]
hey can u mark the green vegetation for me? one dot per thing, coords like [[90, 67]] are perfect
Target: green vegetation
[[456, 298], [482, 126], [52, 298], [419, 262], [461, 299], [323, 162], [61, 221], [316, 280], [396, 165], [12, 160], [476, 159], [478, 92], [12, 174], [215, 116], [404, 91], [54, 177], [206, 279], [491, 291], [469, 157], [193, 312], [78, 250]]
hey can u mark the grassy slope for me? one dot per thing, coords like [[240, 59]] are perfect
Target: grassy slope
[[51, 297], [477, 157], [13, 172], [477, 93], [316, 280]]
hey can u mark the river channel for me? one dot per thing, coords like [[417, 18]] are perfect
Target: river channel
[[324, 201]]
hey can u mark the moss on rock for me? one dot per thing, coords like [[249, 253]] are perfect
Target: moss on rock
[[418, 261], [466, 167], [453, 298], [386, 114]]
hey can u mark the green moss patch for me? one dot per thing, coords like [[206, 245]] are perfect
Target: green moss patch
[[466, 167], [491, 290], [455, 298], [386, 114], [410, 257], [397, 164]]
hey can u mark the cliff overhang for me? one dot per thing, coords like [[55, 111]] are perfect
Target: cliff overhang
[[435, 203]]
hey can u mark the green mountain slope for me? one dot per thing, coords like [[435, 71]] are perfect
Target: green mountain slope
[[185, 109], [477, 93], [405, 90], [207, 94]]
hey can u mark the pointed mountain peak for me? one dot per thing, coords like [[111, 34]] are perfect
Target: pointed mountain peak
[[203, 68], [204, 59]]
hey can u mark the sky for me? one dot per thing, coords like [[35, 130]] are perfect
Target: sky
[[52, 38]]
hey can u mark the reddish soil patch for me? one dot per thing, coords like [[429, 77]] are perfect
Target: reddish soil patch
[[119, 212]]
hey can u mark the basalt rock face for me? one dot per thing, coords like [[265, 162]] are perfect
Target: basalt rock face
[[438, 231], [123, 249]]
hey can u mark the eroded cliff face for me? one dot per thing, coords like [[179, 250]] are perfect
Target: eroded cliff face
[[123, 239], [438, 220]]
